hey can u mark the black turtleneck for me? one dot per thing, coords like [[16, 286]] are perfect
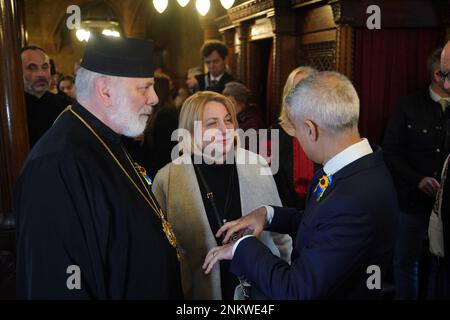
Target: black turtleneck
[[222, 180]]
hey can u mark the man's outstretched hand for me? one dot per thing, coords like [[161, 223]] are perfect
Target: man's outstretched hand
[[255, 221]]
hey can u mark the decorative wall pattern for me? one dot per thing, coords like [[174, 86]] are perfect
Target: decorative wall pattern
[[321, 55]]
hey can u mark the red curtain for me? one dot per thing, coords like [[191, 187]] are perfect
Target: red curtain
[[389, 63]]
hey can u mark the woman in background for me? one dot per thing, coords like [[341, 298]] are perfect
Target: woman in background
[[66, 84], [295, 169], [248, 115]]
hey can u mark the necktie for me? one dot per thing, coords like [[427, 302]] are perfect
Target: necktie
[[444, 104], [213, 83]]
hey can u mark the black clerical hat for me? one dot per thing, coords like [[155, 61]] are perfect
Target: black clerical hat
[[122, 57]]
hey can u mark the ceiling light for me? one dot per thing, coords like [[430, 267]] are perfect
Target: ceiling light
[[83, 35], [111, 33], [227, 4], [183, 3], [202, 6], [160, 5]]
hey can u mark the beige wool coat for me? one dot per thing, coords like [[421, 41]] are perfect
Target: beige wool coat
[[177, 191]]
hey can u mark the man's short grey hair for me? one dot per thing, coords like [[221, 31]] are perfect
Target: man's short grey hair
[[85, 82], [239, 91], [327, 98]]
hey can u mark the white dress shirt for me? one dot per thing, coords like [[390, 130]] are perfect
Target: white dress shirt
[[209, 77]]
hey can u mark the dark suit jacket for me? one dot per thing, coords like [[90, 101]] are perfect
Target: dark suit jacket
[[218, 87], [414, 148], [336, 239]]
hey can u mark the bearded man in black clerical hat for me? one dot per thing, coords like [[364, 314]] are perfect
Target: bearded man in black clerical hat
[[88, 225]]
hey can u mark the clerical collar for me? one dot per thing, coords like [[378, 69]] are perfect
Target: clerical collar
[[347, 156], [102, 130]]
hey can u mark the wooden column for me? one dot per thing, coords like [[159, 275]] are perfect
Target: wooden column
[[13, 124], [242, 72], [228, 39], [284, 53], [345, 50]]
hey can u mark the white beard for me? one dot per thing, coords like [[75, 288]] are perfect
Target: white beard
[[130, 124]]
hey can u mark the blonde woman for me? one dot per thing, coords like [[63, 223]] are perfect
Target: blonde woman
[[215, 182], [296, 170]]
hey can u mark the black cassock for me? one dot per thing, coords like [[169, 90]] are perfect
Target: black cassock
[[75, 207]]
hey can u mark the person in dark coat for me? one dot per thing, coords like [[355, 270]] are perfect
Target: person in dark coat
[[88, 225], [248, 114], [344, 238], [43, 107], [158, 144]]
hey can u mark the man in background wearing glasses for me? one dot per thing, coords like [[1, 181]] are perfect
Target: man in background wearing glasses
[[414, 146]]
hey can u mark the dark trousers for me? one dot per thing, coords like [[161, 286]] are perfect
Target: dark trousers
[[439, 280], [411, 231]]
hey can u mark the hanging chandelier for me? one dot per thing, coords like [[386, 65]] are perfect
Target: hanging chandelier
[[202, 6], [98, 18]]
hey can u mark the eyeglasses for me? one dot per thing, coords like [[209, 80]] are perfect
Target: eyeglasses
[[444, 76]]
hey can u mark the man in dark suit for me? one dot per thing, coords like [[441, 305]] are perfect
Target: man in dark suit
[[414, 146], [439, 229], [214, 53], [344, 238]]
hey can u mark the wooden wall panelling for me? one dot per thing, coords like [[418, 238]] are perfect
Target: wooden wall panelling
[[285, 46], [318, 35], [320, 55], [228, 37], [345, 50], [243, 35], [251, 10]]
